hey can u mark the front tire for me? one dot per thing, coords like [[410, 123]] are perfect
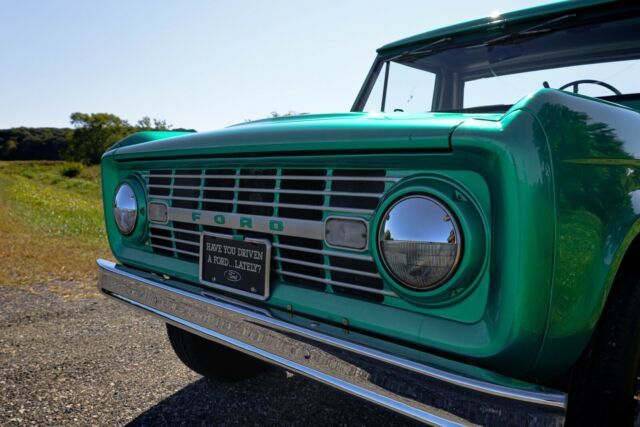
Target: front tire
[[212, 360], [604, 386]]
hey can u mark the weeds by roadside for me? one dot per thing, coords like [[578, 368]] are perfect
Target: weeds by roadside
[[52, 229]]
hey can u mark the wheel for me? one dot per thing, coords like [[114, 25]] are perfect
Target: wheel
[[213, 360], [605, 389]]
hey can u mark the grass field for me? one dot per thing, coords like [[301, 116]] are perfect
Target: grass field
[[52, 224]]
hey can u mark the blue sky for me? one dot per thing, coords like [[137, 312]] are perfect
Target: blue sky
[[200, 64]]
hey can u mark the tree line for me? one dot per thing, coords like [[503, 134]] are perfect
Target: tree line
[[89, 137]]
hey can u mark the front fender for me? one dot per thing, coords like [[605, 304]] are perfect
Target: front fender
[[513, 157], [594, 148]]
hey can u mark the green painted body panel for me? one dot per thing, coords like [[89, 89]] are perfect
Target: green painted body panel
[[547, 196], [147, 136], [595, 147], [314, 132]]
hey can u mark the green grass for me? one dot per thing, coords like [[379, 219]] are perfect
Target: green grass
[[51, 203], [53, 228]]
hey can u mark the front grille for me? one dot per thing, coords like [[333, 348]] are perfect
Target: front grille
[[305, 194]]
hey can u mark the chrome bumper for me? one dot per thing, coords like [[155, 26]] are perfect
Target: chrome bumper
[[425, 393]]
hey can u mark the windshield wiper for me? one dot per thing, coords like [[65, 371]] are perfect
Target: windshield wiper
[[422, 50], [536, 30]]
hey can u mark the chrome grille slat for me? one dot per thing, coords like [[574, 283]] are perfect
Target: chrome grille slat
[[336, 283], [163, 227], [325, 252], [328, 267], [268, 190], [165, 248], [282, 177], [187, 242], [310, 195]]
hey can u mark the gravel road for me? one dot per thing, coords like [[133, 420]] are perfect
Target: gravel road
[[92, 361]]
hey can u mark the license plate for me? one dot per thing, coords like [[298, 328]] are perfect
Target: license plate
[[234, 265]]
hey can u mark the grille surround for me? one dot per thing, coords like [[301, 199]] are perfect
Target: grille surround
[[280, 193]]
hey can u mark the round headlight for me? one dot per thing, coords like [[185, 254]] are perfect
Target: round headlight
[[419, 242], [125, 209]]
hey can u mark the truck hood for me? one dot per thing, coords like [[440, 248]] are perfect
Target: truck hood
[[311, 133]]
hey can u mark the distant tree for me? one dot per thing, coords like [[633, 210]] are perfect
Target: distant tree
[[93, 135], [8, 148], [32, 143], [146, 123]]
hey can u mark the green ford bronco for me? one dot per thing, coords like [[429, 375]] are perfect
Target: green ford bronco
[[461, 247]]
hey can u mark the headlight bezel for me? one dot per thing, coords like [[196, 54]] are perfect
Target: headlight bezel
[[140, 230], [119, 199], [473, 225], [455, 228]]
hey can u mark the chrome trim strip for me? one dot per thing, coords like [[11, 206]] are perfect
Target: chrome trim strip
[[236, 302], [273, 204], [336, 283], [360, 370], [326, 267], [263, 224], [280, 177], [268, 190]]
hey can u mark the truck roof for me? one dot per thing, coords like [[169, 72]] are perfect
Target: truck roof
[[483, 25]]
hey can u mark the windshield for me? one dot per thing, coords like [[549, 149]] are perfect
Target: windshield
[[491, 75]]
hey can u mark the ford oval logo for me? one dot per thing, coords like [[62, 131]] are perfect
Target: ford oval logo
[[232, 276]]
